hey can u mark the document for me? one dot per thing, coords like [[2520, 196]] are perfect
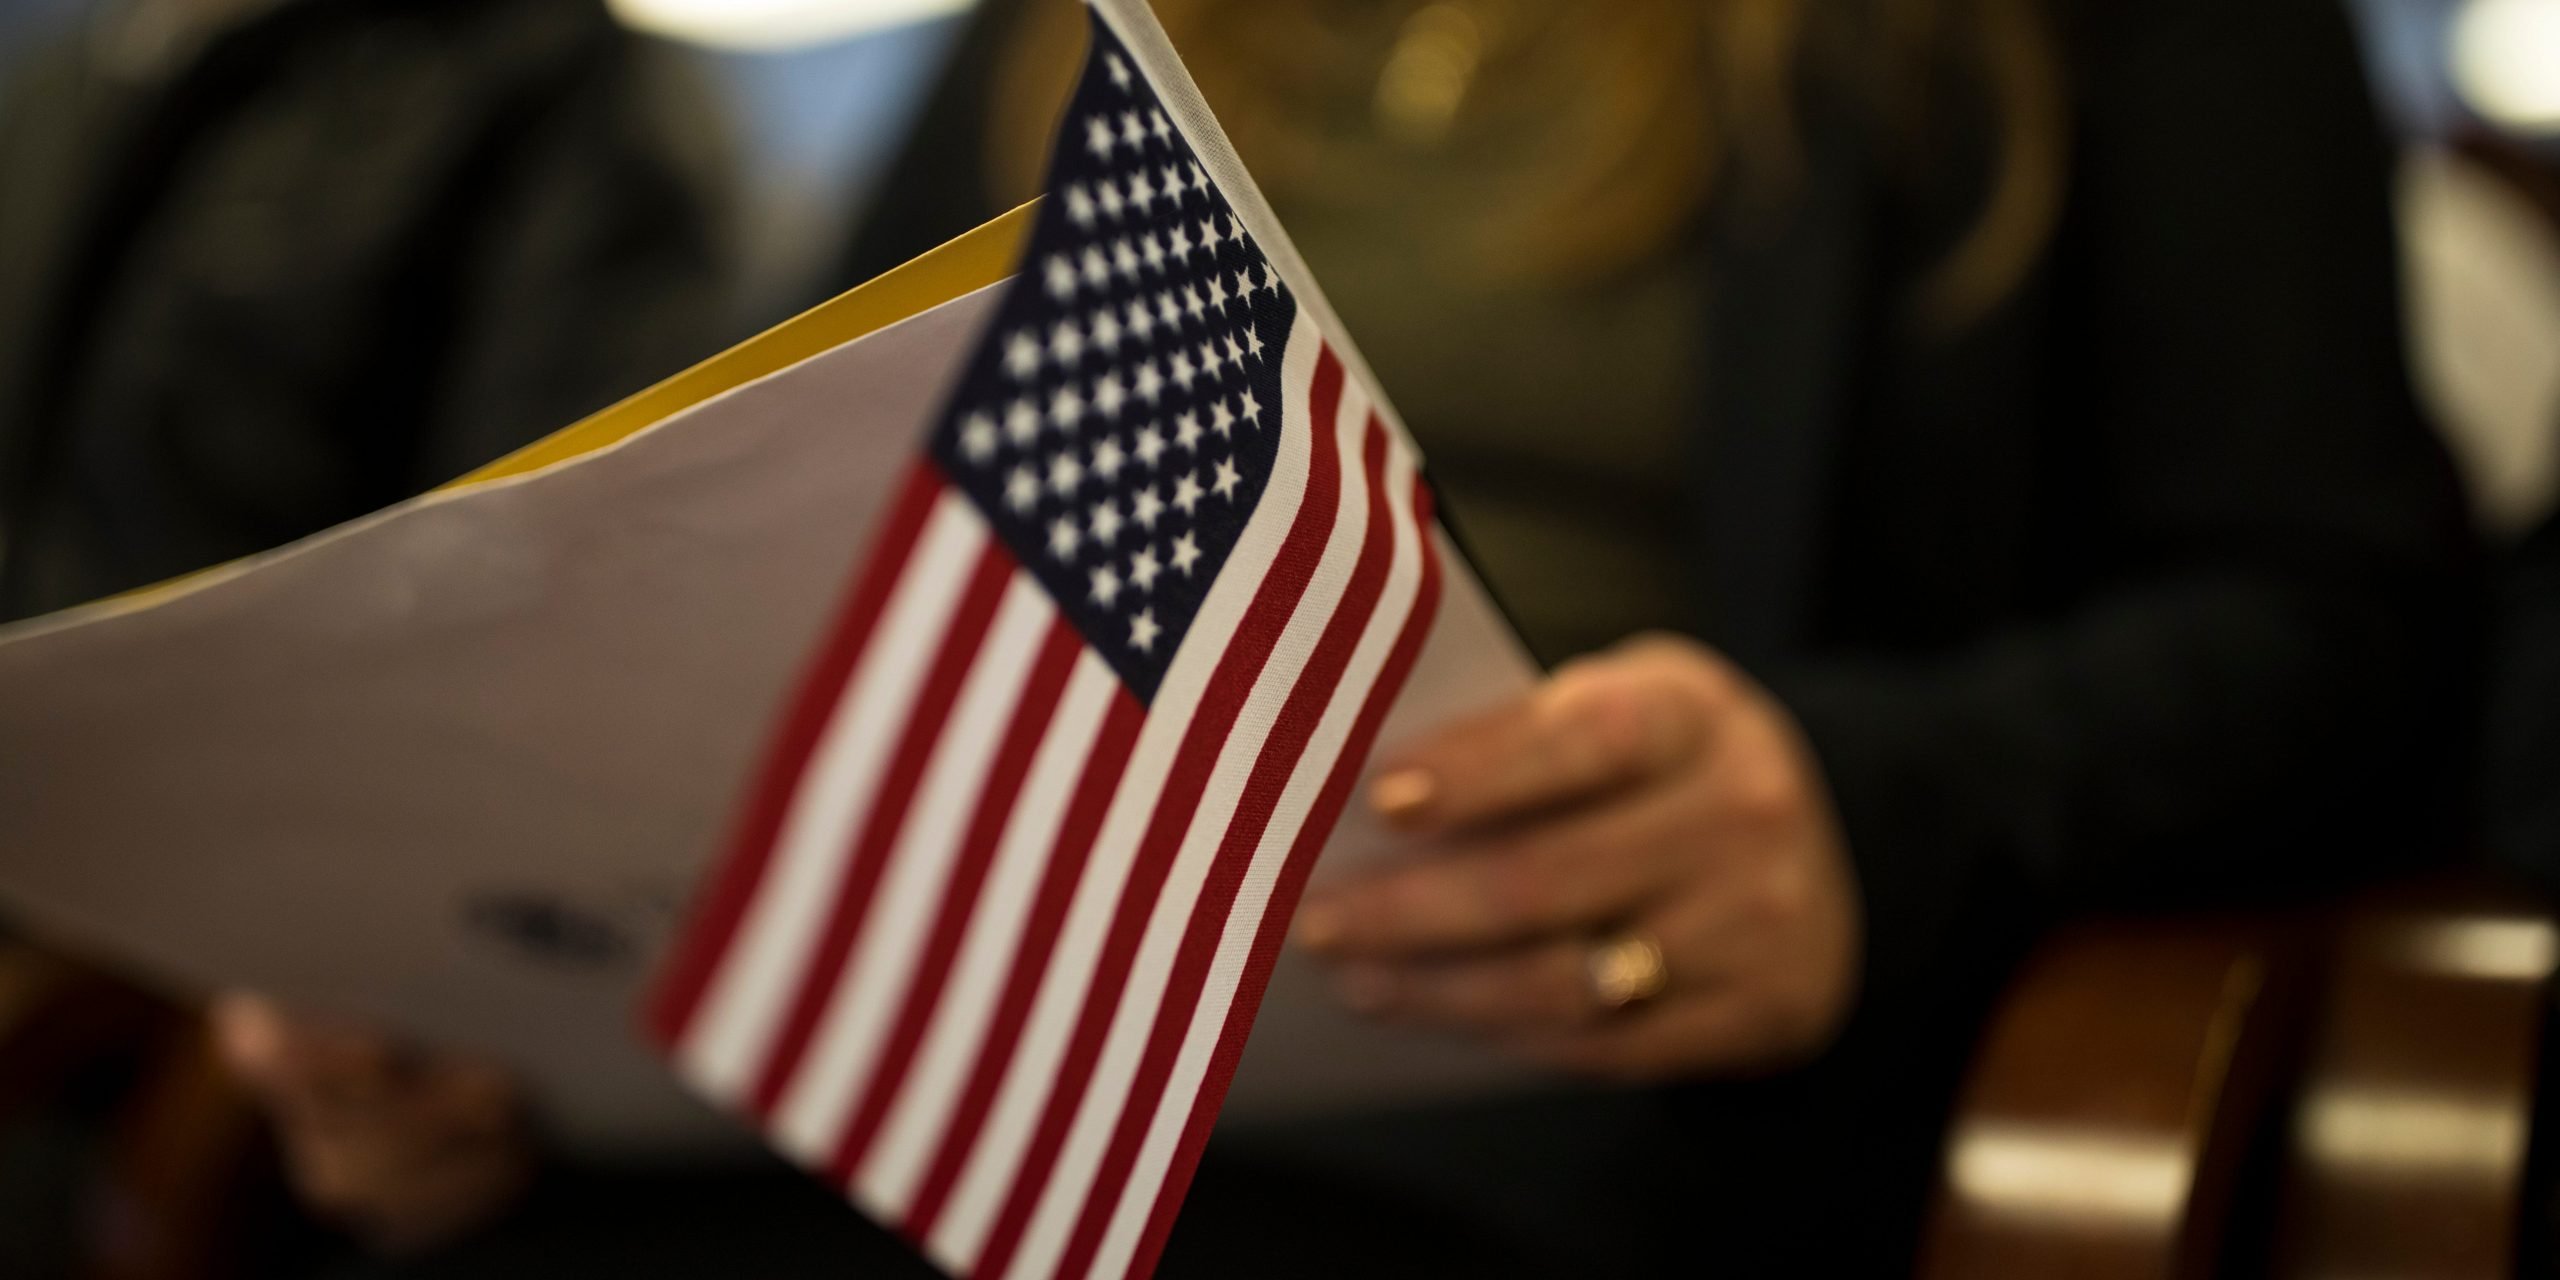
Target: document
[[456, 768]]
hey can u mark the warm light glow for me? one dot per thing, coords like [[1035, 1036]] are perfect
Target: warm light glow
[[2506, 62], [2082, 1178], [2488, 949], [2404, 1134], [773, 24]]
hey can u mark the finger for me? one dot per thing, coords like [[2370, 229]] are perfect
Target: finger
[[1578, 873], [352, 1159], [347, 1170], [401, 1188], [1540, 987], [1594, 727], [470, 1099], [1679, 1036], [264, 1043], [330, 1076], [332, 1054]]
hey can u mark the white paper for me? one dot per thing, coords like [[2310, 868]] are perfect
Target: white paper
[[453, 769]]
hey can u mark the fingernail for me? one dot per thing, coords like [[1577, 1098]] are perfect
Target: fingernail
[[250, 1031], [1320, 926], [1403, 794]]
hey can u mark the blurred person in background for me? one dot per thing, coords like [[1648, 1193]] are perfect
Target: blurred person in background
[[2013, 390], [1997, 411], [268, 265]]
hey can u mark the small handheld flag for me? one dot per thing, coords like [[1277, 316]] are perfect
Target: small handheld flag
[[998, 912]]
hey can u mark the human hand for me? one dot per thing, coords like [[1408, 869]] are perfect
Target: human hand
[[1648, 818], [407, 1150]]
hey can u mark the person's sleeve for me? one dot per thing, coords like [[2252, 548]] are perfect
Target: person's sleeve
[[2263, 690]]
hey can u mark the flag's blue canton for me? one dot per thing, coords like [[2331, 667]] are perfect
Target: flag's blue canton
[[1118, 423]]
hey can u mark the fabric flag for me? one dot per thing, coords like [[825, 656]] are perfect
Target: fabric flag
[[996, 918]]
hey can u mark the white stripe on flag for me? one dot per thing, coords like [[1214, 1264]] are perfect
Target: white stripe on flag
[[726, 1043], [1134, 1018], [836, 1069], [1253, 900], [988, 1177], [913, 1129]]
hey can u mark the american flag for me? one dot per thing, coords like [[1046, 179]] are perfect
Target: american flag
[[999, 911]]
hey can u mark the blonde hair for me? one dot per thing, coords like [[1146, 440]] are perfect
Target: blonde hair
[[1660, 100]]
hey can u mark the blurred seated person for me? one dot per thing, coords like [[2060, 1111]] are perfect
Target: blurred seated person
[[1991, 418], [269, 265]]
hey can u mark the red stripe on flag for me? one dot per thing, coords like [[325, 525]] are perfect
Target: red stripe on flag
[[977, 852], [1284, 900], [869, 857], [1229, 685], [1066, 861], [722, 902], [1299, 715]]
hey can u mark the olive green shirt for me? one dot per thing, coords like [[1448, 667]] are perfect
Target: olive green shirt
[[1555, 420]]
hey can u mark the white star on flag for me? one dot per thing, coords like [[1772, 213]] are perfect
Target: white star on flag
[[1022, 355], [1065, 474], [978, 437], [1022, 422], [1109, 457], [1066, 407]]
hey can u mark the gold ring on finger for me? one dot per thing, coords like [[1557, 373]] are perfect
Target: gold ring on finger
[[1626, 968]]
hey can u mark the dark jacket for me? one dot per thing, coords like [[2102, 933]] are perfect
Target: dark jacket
[[2149, 587], [347, 251]]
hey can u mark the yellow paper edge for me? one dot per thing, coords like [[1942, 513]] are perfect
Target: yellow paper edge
[[972, 262], [951, 270]]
